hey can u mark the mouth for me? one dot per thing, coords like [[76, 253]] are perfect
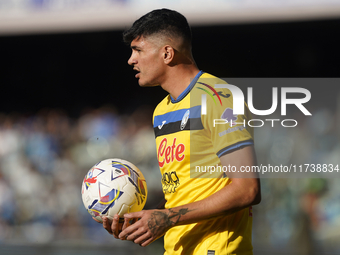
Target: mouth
[[138, 72]]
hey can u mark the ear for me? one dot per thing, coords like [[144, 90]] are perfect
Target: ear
[[168, 54]]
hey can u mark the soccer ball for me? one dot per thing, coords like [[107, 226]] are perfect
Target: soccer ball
[[113, 186]]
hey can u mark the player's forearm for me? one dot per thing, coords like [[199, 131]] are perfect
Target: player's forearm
[[228, 200], [242, 192]]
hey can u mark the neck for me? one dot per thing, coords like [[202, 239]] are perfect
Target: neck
[[178, 78]]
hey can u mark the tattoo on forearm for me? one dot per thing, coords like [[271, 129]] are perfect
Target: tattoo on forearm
[[161, 219]]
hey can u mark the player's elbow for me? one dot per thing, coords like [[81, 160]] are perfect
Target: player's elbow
[[256, 196], [253, 194]]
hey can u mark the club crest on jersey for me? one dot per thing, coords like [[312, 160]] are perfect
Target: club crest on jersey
[[185, 119]]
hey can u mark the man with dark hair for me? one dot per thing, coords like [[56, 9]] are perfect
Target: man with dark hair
[[205, 211], [166, 22]]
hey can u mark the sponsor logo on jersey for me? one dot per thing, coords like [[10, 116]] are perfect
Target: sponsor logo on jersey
[[185, 119], [160, 126], [170, 182], [220, 93], [229, 116], [209, 93], [167, 153], [230, 130]]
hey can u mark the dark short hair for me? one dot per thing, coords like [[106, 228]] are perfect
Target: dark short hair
[[163, 21]]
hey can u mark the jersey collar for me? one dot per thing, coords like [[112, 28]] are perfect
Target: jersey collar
[[188, 89]]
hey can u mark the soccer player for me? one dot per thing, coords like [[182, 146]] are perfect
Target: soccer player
[[207, 208]]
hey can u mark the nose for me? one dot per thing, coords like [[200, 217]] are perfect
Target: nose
[[132, 60]]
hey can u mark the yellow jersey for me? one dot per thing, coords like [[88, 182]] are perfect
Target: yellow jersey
[[189, 145]]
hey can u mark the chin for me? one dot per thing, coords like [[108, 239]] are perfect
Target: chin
[[146, 84], [141, 84]]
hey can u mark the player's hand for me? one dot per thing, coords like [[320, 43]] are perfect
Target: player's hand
[[115, 226], [151, 225], [111, 226]]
